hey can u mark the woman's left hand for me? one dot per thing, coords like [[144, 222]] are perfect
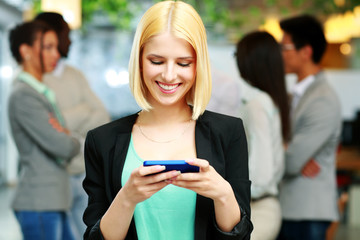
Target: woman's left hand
[[211, 184], [207, 182]]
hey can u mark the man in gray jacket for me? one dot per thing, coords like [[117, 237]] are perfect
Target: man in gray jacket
[[308, 193], [81, 108]]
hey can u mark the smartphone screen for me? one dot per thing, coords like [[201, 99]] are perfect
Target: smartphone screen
[[179, 165]]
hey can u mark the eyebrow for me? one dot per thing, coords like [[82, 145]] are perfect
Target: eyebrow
[[158, 56]]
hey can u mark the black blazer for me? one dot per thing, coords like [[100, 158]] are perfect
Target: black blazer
[[219, 139]]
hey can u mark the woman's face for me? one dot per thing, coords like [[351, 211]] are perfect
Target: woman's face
[[168, 69], [48, 53]]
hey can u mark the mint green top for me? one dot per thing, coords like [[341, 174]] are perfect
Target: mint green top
[[168, 214]]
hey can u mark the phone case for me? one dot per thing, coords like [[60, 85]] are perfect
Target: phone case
[[179, 165]]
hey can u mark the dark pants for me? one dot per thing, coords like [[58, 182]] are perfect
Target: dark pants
[[303, 230]]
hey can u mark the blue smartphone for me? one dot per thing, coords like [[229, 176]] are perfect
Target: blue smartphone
[[179, 165]]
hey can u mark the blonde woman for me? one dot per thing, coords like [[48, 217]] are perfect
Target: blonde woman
[[170, 79]]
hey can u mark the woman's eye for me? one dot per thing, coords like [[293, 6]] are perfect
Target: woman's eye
[[156, 62], [184, 64], [47, 47]]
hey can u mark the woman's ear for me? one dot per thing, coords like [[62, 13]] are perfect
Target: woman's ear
[[25, 52]]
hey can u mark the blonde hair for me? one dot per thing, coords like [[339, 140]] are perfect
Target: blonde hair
[[184, 22]]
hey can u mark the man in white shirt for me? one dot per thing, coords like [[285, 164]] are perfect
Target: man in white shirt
[[81, 108], [308, 194]]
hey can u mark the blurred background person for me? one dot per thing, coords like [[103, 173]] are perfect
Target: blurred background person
[[226, 92], [81, 108], [308, 193], [265, 112], [45, 146]]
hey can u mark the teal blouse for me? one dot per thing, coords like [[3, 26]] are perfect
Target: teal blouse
[[168, 214]]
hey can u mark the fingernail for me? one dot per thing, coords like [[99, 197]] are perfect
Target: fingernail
[[160, 167], [190, 160]]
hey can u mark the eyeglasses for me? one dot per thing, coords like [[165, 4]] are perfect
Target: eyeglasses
[[287, 46]]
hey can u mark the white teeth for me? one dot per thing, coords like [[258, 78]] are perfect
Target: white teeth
[[168, 87]]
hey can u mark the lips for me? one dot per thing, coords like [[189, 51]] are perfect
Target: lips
[[168, 88]]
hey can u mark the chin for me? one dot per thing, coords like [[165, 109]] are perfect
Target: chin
[[49, 70]]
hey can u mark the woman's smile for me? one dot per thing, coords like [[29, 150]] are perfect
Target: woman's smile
[[168, 88]]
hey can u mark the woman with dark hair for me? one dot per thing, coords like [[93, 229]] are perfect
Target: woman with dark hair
[[44, 144], [265, 113]]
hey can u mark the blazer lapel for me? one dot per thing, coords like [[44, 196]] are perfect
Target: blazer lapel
[[121, 148], [202, 140], [203, 151], [319, 79], [120, 152]]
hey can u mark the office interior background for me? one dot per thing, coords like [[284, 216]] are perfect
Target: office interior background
[[102, 32]]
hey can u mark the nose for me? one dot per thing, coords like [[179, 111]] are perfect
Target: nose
[[169, 74]]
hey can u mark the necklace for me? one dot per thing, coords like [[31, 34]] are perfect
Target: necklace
[[166, 141]]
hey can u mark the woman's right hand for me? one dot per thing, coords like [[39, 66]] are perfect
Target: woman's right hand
[[141, 185], [145, 181]]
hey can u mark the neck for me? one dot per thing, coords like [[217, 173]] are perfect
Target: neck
[[166, 115], [307, 70], [33, 72]]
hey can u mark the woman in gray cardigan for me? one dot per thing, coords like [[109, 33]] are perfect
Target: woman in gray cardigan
[[44, 144]]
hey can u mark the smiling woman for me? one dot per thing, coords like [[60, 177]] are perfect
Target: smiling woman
[[170, 78]]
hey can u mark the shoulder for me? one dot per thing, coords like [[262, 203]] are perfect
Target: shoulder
[[73, 72], [113, 128], [260, 100], [210, 116], [22, 92], [322, 87], [321, 91], [220, 123], [71, 69], [252, 97]]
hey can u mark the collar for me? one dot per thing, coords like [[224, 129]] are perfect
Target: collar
[[33, 82], [300, 87]]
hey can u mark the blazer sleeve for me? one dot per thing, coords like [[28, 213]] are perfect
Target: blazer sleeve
[[237, 174], [320, 118], [32, 114], [94, 185]]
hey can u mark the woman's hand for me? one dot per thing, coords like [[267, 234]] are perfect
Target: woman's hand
[[207, 182], [142, 184], [211, 184], [311, 169], [145, 181], [56, 125]]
